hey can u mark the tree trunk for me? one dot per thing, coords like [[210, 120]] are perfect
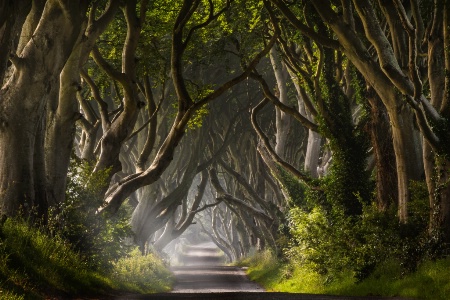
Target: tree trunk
[[12, 18], [282, 119], [384, 154], [167, 236], [24, 97], [437, 166], [406, 156], [62, 112], [384, 77], [122, 127]]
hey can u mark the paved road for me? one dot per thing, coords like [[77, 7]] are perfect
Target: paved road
[[203, 276], [204, 272]]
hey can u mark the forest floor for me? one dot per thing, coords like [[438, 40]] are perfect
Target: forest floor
[[204, 276]]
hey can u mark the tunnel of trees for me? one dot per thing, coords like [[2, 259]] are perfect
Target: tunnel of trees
[[318, 129]]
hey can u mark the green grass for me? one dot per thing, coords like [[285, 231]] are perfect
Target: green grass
[[430, 281], [143, 274], [35, 266]]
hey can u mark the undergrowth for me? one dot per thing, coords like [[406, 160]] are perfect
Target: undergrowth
[[143, 274], [431, 280], [34, 265]]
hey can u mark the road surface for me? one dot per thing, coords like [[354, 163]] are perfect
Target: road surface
[[204, 272], [204, 276]]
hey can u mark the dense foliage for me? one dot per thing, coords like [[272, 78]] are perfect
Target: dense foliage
[[76, 253], [102, 240]]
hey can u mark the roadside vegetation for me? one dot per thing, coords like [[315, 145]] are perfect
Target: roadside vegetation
[[34, 265], [76, 254], [322, 251], [429, 281], [328, 244]]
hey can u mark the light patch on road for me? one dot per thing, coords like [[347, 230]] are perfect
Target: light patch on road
[[204, 272]]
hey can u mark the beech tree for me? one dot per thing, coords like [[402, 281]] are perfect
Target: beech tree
[[186, 106], [397, 65], [34, 78]]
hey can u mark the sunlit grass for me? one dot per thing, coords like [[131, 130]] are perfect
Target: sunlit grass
[[34, 266], [430, 281], [263, 268], [32, 262], [143, 274]]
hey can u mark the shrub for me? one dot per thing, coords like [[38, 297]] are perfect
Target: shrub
[[101, 239], [329, 241], [142, 273]]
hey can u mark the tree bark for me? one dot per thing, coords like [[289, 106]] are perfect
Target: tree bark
[[437, 165], [36, 74], [63, 111], [384, 154], [122, 127], [282, 119], [12, 18]]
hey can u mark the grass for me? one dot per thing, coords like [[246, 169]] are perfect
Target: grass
[[35, 266], [431, 281], [143, 274]]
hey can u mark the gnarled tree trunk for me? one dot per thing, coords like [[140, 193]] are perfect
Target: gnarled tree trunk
[[24, 97]]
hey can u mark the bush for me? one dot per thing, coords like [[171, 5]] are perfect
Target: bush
[[101, 239], [143, 273], [320, 242], [263, 267], [36, 265], [330, 243]]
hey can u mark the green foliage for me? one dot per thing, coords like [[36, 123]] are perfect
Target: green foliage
[[74, 251], [34, 264], [323, 243], [294, 188], [246, 35], [196, 120], [31, 263], [430, 281], [329, 241], [347, 186], [144, 274], [102, 239], [263, 267]]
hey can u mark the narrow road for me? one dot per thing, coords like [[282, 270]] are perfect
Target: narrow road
[[204, 276], [204, 272]]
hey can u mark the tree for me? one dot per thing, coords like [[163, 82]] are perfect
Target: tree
[[62, 110], [186, 107], [36, 75], [396, 70]]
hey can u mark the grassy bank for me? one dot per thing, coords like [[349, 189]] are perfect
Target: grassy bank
[[35, 266], [430, 281]]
